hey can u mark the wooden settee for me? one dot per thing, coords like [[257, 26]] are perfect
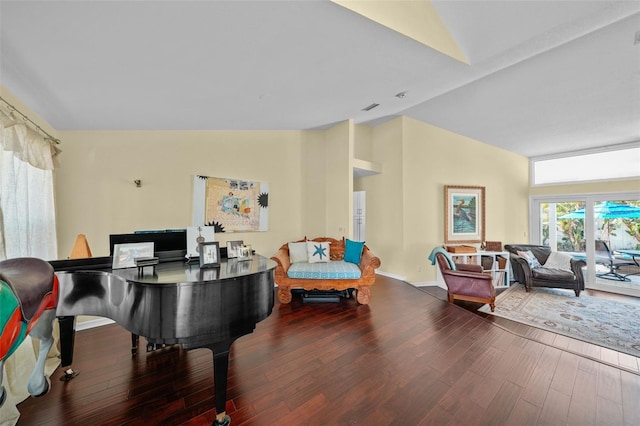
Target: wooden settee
[[362, 285]]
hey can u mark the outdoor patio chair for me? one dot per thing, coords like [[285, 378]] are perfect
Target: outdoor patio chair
[[605, 257]]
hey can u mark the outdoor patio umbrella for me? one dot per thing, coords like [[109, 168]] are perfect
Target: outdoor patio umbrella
[[607, 210]]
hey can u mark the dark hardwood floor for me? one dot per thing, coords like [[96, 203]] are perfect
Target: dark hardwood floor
[[408, 358]]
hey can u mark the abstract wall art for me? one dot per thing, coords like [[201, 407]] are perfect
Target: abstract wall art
[[230, 205]]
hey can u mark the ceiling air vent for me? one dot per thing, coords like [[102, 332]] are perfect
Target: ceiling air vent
[[370, 107]]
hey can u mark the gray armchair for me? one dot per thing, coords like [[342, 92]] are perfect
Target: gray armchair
[[542, 276]]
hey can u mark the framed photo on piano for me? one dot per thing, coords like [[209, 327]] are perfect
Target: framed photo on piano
[[125, 255], [233, 248], [209, 254]]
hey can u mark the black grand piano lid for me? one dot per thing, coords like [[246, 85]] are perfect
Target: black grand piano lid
[[183, 272]]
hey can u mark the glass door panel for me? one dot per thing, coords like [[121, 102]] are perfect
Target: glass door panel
[[617, 242], [558, 230], [582, 226]]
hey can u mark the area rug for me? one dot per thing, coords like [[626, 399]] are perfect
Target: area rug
[[603, 322]]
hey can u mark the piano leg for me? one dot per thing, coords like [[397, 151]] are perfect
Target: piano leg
[[220, 372], [135, 339], [67, 335]]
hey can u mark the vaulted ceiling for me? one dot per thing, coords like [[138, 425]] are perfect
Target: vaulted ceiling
[[533, 77]]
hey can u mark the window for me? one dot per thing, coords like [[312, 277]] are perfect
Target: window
[[614, 163]]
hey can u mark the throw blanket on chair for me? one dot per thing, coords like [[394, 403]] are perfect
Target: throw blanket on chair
[[432, 257]]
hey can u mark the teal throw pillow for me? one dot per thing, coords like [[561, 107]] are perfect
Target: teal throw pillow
[[353, 251]]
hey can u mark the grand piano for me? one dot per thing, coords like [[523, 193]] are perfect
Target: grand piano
[[173, 302]]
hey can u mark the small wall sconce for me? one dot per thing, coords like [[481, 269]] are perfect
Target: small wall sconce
[[138, 183]]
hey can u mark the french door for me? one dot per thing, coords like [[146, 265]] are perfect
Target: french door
[[573, 223]]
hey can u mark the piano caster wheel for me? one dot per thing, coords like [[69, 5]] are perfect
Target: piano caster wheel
[[226, 421], [134, 351], [150, 347], [69, 374]]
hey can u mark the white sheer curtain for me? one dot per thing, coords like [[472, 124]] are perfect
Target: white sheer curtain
[[27, 211], [27, 228]]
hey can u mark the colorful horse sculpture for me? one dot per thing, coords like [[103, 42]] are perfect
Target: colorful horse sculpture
[[28, 296]]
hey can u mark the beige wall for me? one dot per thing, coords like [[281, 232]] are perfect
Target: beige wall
[[96, 195], [384, 198], [339, 180], [362, 144], [405, 204], [314, 195]]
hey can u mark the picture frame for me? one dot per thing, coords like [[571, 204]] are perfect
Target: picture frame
[[464, 214], [245, 253], [209, 254], [125, 255], [196, 235], [233, 248]]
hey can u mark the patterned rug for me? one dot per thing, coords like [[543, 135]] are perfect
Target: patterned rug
[[607, 323]]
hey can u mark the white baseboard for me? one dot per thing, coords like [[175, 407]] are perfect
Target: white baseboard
[[426, 284], [386, 274]]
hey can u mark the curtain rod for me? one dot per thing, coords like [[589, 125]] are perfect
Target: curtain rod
[[30, 121]]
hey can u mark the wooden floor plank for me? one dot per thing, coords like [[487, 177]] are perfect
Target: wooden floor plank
[[630, 398], [538, 386], [502, 404], [582, 409], [555, 408], [610, 383], [563, 380], [523, 414]]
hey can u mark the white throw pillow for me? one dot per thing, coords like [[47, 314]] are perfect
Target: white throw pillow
[[318, 251], [558, 260], [298, 252]]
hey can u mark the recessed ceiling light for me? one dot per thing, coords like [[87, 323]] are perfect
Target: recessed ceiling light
[[370, 107]]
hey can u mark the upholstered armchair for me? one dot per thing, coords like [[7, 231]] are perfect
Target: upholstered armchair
[[543, 273], [466, 281]]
